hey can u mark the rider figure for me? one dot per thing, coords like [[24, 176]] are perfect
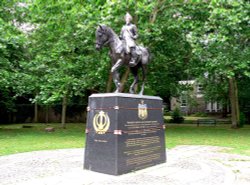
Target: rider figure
[[129, 35]]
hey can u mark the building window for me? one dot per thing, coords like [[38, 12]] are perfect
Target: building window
[[218, 107], [208, 106], [213, 108], [199, 89], [183, 101]]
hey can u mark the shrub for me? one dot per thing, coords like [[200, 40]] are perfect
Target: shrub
[[167, 113], [176, 116], [199, 114], [242, 119]]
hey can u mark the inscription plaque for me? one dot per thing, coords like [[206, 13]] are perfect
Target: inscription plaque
[[124, 133]]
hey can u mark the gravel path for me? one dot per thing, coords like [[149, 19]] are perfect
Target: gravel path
[[186, 165]]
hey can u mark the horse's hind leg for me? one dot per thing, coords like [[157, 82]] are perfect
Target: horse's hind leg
[[117, 82], [144, 71], [134, 71]]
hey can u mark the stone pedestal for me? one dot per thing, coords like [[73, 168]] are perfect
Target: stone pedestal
[[124, 133]]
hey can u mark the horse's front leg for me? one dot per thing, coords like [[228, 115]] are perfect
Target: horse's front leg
[[134, 71], [116, 75]]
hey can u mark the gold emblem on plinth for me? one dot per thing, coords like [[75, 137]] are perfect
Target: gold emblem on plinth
[[101, 122], [142, 110]]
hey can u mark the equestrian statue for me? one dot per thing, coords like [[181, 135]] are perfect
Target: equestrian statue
[[124, 51]]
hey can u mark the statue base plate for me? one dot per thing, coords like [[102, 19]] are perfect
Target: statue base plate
[[124, 133]]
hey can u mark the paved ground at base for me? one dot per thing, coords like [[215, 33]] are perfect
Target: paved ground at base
[[186, 165]]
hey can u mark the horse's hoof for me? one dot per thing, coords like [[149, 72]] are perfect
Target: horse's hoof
[[132, 92], [141, 93]]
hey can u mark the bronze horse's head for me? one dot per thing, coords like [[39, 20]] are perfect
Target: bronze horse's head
[[101, 36]]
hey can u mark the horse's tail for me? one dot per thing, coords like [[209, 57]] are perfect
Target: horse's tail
[[148, 56], [145, 55]]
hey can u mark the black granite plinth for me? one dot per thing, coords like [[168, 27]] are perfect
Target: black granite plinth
[[124, 133]]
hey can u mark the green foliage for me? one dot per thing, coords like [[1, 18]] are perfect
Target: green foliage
[[61, 48], [6, 101], [12, 52], [242, 120], [176, 116], [218, 34]]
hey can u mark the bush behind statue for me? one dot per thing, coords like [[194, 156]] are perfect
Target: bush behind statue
[[242, 120], [176, 116]]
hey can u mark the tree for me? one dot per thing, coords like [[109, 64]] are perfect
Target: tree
[[61, 49], [11, 53], [218, 34]]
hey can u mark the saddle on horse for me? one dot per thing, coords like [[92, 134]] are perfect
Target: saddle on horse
[[134, 52]]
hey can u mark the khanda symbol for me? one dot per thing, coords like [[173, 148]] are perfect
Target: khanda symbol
[[101, 122]]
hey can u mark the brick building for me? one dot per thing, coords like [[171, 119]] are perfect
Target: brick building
[[192, 100]]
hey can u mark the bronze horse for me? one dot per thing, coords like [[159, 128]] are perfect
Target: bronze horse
[[105, 36]]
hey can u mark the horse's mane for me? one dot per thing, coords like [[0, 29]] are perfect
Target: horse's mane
[[109, 30]]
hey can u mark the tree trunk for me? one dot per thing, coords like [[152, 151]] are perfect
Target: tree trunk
[[237, 102], [109, 83], [35, 112], [233, 91], [64, 109]]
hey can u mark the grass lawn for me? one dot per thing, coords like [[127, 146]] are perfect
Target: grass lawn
[[220, 135], [15, 139], [193, 119]]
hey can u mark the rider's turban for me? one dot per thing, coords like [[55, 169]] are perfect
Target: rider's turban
[[128, 16]]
